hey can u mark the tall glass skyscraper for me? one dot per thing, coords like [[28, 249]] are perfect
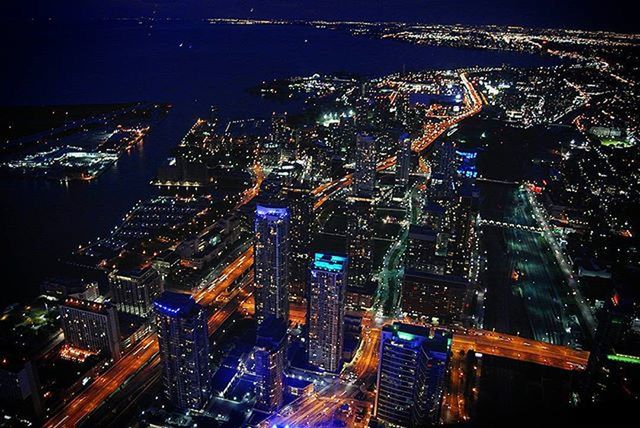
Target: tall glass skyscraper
[[300, 202], [360, 234], [411, 374], [325, 313], [403, 162], [184, 350], [271, 265], [365, 174]]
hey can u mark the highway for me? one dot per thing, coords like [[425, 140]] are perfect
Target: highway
[[319, 407], [431, 132], [539, 214], [234, 270], [521, 349], [313, 410], [106, 384], [526, 291], [454, 406], [125, 370], [146, 351]]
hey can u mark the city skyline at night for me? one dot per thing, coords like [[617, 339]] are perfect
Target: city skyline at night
[[336, 214]]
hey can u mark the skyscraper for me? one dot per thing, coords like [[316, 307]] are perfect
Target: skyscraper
[[462, 218], [184, 350], [300, 202], [411, 374], [360, 233], [403, 162], [325, 313], [91, 326], [365, 173], [271, 261], [270, 356], [134, 290]]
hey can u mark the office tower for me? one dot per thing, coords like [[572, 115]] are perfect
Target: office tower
[[91, 326], [411, 374], [364, 176], [300, 202], [425, 250], [280, 138], [271, 261], [462, 218], [427, 295], [184, 350], [364, 107], [134, 290], [442, 187], [444, 159], [360, 233], [325, 313], [270, 356], [403, 162]]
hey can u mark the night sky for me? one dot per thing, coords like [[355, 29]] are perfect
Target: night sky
[[589, 14]]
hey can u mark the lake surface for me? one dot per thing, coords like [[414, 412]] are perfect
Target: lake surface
[[192, 65]]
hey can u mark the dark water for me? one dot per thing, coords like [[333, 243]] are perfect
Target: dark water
[[98, 62]]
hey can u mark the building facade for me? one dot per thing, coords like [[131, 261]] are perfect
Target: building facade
[[403, 162], [270, 357], [134, 290], [462, 218], [426, 295], [364, 177], [426, 250], [91, 326], [326, 309], [300, 203], [271, 261], [411, 375], [360, 234], [184, 350]]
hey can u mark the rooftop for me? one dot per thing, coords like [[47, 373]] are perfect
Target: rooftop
[[274, 209], [175, 304], [329, 262], [437, 339], [87, 305]]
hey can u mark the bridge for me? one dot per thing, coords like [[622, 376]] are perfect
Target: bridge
[[534, 229], [519, 348]]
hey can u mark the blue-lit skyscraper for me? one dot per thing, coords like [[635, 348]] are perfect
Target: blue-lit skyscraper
[[184, 350], [411, 374], [325, 312], [271, 265], [270, 356]]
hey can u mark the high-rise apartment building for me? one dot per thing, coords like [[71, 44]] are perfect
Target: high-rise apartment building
[[271, 261], [326, 308], [184, 350]]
